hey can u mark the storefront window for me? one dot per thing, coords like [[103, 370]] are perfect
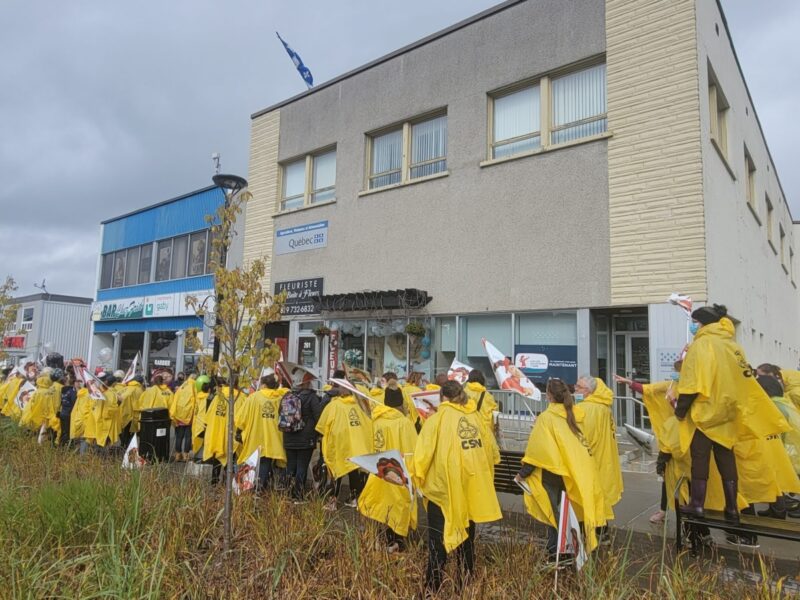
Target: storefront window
[[163, 350], [386, 347], [308, 352], [443, 344], [197, 253], [472, 330], [351, 343], [546, 345], [180, 247], [118, 279], [164, 258], [130, 345]]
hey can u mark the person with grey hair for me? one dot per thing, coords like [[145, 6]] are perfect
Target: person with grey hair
[[596, 400]]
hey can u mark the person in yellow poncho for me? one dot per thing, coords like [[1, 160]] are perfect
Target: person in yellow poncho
[[42, 405], [598, 427], [382, 501], [129, 395], [181, 412], [346, 431], [390, 380], [558, 459], [789, 379], [256, 419], [120, 388], [10, 391], [202, 389], [107, 414], [484, 402], [82, 425], [158, 395], [719, 404], [453, 467], [215, 439]]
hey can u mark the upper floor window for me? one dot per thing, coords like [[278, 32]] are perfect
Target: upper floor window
[[769, 216], [551, 111], [27, 315], [390, 164], [309, 180], [782, 240], [718, 113], [750, 181]]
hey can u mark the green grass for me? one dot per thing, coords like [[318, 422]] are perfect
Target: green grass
[[80, 527]]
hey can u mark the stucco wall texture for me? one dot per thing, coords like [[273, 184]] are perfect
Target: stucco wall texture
[[526, 234]]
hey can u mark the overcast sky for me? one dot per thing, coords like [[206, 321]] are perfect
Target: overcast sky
[[107, 106]]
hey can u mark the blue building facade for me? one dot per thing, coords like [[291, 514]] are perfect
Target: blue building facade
[[150, 261]]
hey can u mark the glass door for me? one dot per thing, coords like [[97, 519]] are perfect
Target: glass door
[[632, 361]]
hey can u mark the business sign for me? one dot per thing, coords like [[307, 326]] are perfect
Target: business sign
[[14, 341], [159, 306], [333, 352], [300, 295], [146, 307], [301, 238], [540, 362], [115, 310]]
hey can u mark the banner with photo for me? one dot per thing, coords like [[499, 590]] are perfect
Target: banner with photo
[[24, 394], [426, 402], [388, 466], [131, 372], [459, 372], [508, 376], [247, 474], [539, 362]]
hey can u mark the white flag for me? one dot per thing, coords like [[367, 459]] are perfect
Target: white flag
[[42, 432], [132, 459], [426, 402], [508, 375], [569, 533], [388, 466], [459, 372], [685, 302], [131, 373], [24, 394], [247, 473]]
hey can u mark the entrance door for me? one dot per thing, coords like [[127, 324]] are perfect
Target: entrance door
[[632, 361]]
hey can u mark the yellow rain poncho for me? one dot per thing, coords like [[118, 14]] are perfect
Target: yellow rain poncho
[[791, 439], [129, 394], [216, 438], [453, 466], [382, 501], [601, 434], [474, 390], [182, 404], [199, 421], [156, 396], [81, 422], [408, 404], [43, 406], [10, 408], [791, 386], [346, 431], [554, 447], [730, 407], [106, 415], [257, 418]]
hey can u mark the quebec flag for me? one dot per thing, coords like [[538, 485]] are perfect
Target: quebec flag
[[305, 73]]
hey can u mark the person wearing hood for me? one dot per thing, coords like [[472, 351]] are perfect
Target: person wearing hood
[[389, 380], [82, 426], [181, 412], [256, 421], [719, 404], [453, 467], [789, 380], [483, 400], [107, 414], [216, 450], [13, 382], [202, 391], [299, 445], [596, 400], [125, 408], [559, 459], [389, 503], [346, 431], [130, 394], [44, 404]]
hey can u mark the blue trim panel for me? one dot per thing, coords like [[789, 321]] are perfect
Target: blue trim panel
[[184, 215], [189, 284], [164, 324]]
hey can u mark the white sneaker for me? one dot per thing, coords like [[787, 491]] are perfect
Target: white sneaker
[[393, 548], [352, 503], [658, 517]]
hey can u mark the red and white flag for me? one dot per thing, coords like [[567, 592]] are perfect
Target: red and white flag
[[459, 372], [426, 402], [132, 459], [685, 302], [90, 382], [247, 473], [509, 376], [131, 373], [569, 534]]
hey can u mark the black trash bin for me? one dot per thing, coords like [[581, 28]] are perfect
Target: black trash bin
[[154, 434]]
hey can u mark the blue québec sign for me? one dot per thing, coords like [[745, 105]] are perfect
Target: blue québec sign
[[301, 238]]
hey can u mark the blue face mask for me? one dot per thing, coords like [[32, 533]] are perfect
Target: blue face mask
[[694, 326], [675, 376], [577, 397]]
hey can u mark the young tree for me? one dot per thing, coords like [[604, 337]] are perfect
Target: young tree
[[237, 314], [8, 309]]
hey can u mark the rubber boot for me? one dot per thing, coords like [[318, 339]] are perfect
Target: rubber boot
[[776, 510], [697, 488], [730, 487]]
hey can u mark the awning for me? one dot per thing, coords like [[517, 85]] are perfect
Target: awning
[[407, 299]]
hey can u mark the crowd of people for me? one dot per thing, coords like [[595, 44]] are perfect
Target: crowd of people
[[732, 430]]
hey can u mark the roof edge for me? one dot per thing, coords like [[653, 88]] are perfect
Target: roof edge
[[51, 298], [394, 54], [157, 204]]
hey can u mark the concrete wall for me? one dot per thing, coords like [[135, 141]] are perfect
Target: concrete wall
[[744, 270], [525, 234]]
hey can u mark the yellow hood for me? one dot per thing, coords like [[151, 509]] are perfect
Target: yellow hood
[[601, 395], [724, 328], [381, 411], [44, 381], [474, 386]]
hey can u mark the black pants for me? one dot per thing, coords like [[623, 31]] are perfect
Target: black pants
[[183, 438], [264, 473], [393, 537], [297, 462], [553, 484], [216, 470], [701, 453], [663, 504], [356, 479], [437, 555], [125, 436], [65, 421]]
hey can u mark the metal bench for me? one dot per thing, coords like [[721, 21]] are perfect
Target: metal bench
[[504, 473]]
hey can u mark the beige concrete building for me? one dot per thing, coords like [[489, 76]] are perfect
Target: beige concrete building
[[542, 175]]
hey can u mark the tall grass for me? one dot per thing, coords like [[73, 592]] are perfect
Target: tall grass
[[79, 527]]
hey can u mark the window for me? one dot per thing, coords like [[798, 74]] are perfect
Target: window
[[197, 253], [145, 263], [718, 113], [27, 315], [770, 211], [515, 122], [428, 147], [782, 246], [791, 265], [118, 277], [386, 164], [180, 248], [164, 260], [309, 180], [552, 111], [750, 182], [132, 271], [105, 270], [579, 105]]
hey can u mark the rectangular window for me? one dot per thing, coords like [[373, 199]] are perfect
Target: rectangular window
[[323, 186], [212, 257], [164, 260], [294, 185], [718, 113], [118, 277], [386, 162], [27, 315], [516, 122], [132, 270], [145, 263], [105, 270], [579, 105], [750, 182], [791, 265], [197, 253], [782, 247], [770, 211], [180, 248], [428, 147]]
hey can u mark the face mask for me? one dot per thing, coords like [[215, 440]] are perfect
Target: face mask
[[694, 327], [577, 397], [675, 376]]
